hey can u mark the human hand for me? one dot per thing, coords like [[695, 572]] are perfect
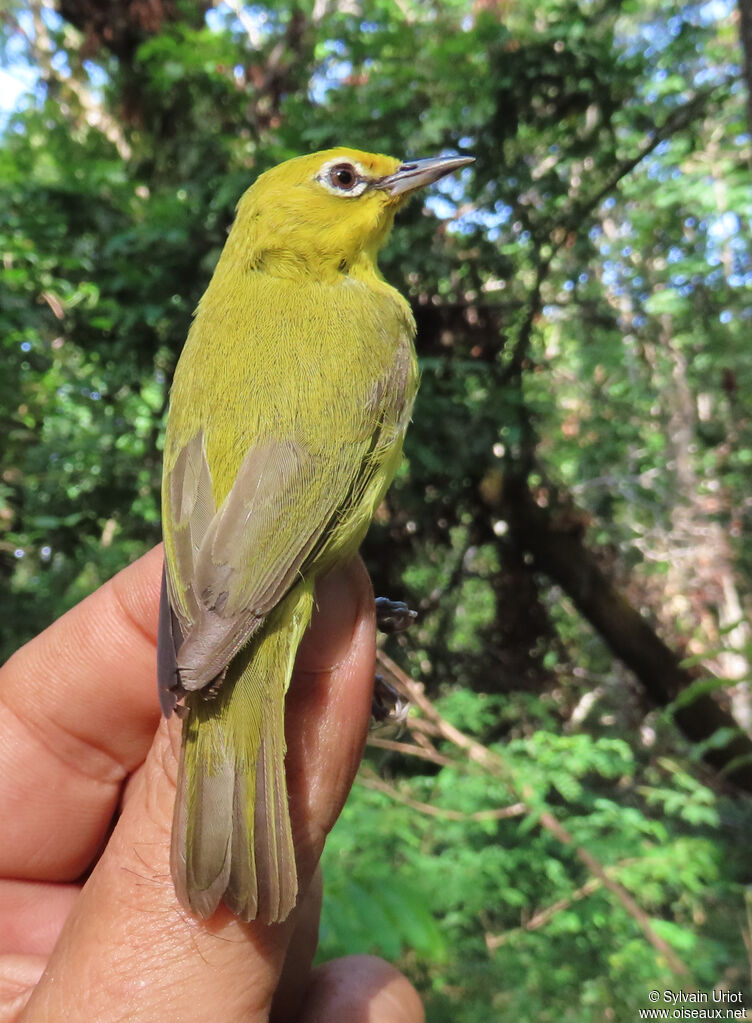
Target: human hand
[[87, 789]]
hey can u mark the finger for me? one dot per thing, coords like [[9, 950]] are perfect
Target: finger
[[360, 988], [78, 710], [128, 941], [293, 980], [328, 711], [18, 976], [32, 914]]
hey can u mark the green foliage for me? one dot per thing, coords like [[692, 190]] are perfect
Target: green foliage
[[391, 866], [582, 294]]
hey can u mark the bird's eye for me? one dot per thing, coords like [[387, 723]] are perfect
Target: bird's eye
[[343, 176]]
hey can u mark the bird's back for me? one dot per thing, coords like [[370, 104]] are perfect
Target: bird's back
[[321, 363]]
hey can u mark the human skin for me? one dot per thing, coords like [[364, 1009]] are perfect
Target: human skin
[[87, 785]]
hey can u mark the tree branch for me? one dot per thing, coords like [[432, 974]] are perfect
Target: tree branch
[[542, 917], [370, 780], [496, 766], [560, 553]]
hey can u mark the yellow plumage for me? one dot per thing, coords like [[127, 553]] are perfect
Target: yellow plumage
[[288, 411]]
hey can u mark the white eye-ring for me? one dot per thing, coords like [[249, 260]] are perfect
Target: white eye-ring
[[343, 178]]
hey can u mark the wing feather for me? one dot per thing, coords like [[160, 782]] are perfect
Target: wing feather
[[192, 509], [228, 574]]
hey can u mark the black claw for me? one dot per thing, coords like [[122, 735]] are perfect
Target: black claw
[[393, 615], [387, 704]]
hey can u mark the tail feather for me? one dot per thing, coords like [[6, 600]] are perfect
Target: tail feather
[[242, 888], [201, 832], [275, 854], [232, 838]]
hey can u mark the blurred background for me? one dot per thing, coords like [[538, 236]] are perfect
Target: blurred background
[[564, 824]]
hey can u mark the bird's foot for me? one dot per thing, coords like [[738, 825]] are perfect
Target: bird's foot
[[387, 705], [393, 615]]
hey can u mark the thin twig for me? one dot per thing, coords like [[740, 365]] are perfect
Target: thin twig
[[409, 750], [554, 827], [370, 780], [494, 941], [495, 765], [539, 919]]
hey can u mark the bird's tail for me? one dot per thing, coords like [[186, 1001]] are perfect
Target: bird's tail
[[231, 834]]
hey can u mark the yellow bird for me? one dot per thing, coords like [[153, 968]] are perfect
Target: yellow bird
[[288, 411]]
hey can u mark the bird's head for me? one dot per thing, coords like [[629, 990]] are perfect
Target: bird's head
[[329, 212]]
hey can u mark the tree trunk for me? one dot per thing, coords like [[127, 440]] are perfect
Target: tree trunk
[[559, 552]]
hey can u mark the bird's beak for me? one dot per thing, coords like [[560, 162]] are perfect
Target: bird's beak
[[418, 173]]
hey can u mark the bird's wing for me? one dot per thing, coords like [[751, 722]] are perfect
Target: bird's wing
[[227, 567]]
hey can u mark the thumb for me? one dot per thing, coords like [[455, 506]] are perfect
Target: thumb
[[127, 944]]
